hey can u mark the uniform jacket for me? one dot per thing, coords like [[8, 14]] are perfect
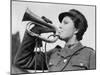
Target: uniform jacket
[[58, 59]]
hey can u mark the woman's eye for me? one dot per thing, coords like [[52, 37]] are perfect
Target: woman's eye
[[65, 22]]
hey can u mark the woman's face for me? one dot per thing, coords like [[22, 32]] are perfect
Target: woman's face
[[66, 29]]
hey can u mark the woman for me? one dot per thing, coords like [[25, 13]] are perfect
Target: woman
[[74, 56]]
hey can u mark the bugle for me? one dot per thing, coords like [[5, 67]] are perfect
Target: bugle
[[36, 20]]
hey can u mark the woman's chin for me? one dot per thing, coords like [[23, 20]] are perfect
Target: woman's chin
[[64, 39], [61, 38]]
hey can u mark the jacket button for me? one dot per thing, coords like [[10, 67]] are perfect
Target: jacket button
[[50, 63], [65, 60], [81, 64]]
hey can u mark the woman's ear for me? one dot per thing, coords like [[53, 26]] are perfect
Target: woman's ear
[[76, 31]]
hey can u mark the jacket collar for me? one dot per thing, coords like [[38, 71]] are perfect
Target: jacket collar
[[65, 52]]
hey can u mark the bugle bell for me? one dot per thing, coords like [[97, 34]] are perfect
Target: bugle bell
[[36, 20]]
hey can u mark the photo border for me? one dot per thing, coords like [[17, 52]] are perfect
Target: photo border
[[51, 3]]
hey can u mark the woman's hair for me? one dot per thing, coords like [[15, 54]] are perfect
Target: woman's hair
[[79, 20]]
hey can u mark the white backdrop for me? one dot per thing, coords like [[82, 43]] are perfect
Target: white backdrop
[[5, 36]]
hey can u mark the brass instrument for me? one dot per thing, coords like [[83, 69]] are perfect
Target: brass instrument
[[36, 20]]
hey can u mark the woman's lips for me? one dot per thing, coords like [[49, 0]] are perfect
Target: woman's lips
[[59, 33]]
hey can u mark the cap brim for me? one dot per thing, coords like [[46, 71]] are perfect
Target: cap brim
[[62, 15]]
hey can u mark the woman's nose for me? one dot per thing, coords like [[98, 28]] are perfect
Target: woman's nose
[[60, 27]]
